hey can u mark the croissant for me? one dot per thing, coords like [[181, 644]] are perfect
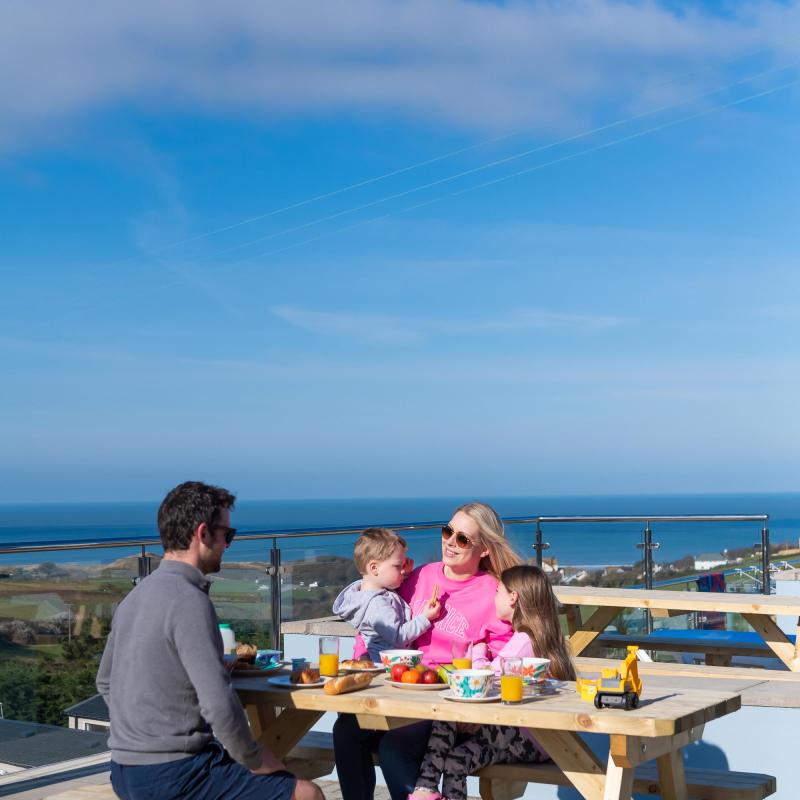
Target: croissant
[[246, 652], [304, 676]]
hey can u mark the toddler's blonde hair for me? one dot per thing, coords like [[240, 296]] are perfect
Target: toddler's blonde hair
[[376, 544]]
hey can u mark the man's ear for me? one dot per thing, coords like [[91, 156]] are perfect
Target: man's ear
[[203, 535]]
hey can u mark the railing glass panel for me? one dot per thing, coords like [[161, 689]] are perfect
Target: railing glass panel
[[314, 571], [241, 591], [55, 612]]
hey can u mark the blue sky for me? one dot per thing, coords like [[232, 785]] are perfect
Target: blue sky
[[622, 318]]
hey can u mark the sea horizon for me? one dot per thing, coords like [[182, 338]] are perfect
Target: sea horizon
[[574, 543]]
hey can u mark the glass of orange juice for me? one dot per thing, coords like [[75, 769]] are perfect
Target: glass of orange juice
[[462, 654], [511, 680], [329, 656]]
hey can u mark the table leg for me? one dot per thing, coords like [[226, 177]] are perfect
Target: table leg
[[619, 782], [261, 718], [573, 614], [592, 628], [671, 776], [776, 639], [279, 733], [578, 763]]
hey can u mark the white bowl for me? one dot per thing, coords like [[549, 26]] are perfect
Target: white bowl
[[469, 683], [535, 670], [408, 657]]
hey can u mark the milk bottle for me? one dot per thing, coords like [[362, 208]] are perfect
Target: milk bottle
[[228, 639]]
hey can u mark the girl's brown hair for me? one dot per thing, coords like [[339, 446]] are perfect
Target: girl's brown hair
[[536, 613]]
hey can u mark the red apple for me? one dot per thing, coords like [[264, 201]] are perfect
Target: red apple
[[397, 672], [429, 676]]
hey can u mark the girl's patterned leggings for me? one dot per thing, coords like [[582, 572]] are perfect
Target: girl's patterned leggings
[[491, 744]]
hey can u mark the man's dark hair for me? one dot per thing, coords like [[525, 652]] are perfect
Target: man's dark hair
[[186, 507]]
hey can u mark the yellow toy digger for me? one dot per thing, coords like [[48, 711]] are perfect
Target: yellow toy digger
[[624, 688]]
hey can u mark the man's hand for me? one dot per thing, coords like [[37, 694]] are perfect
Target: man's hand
[[269, 763]]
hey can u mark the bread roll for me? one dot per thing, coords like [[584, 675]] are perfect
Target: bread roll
[[348, 683], [354, 664]]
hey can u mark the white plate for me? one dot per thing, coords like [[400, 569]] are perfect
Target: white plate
[[548, 686], [256, 671], [425, 687], [284, 683], [374, 670], [492, 697]]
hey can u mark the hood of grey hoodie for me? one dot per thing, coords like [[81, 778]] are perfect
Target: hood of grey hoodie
[[351, 604]]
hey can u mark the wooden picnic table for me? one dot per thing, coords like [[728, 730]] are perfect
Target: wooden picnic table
[[665, 722], [759, 611]]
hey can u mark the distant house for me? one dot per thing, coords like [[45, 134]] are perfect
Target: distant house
[[28, 744], [709, 561], [88, 715]]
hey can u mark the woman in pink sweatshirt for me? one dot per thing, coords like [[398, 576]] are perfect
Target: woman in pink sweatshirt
[[474, 554]]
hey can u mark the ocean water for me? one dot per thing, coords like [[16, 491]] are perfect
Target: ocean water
[[578, 544]]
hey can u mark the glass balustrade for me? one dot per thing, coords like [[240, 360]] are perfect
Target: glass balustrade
[[56, 605]]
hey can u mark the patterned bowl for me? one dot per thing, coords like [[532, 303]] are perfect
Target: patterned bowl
[[535, 670], [408, 657], [471, 682]]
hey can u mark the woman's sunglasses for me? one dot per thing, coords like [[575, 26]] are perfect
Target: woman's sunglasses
[[462, 540]]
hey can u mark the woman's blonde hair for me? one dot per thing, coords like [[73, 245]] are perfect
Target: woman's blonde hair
[[492, 533], [536, 613]]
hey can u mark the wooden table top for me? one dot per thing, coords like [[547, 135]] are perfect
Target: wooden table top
[[731, 602], [663, 711]]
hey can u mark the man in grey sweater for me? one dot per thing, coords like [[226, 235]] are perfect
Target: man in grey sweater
[[178, 729]]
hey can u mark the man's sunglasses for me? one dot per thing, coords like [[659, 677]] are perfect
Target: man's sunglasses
[[229, 532], [462, 540]]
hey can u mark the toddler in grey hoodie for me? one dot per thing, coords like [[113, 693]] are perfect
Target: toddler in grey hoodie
[[371, 605]]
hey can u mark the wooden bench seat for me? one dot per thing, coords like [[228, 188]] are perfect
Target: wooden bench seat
[[718, 647], [313, 758], [315, 754]]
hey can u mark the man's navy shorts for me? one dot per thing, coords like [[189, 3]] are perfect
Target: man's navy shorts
[[209, 775]]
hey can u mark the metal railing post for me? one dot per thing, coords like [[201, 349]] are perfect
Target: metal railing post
[[766, 587], [540, 546], [275, 593], [144, 564], [648, 546]]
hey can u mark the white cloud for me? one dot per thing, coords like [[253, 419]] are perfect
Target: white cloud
[[480, 65], [389, 329]]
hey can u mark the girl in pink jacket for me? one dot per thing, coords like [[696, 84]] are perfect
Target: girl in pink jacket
[[525, 599]]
